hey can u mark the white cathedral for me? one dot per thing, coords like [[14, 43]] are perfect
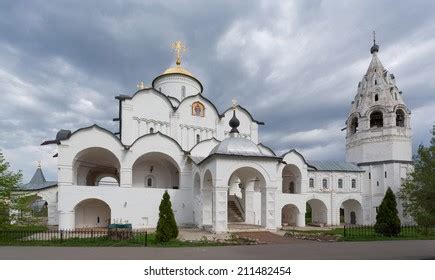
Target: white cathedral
[[173, 138]]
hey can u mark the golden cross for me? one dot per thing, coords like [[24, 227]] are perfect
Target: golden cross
[[141, 85], [234, 104], [179, 49]]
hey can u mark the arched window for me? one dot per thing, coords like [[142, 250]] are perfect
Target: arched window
[[198, 138], [400, 118], [311, 182], [353, 183], [325, 183], [183, 92], [376, 81], [376, 119], [151, 130], [354, 125], [149, 182], [340, 183], [376, 97]]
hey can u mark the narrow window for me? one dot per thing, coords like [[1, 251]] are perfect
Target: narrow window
[[311, 183], [400, 118], [377, 209], [325, 183], [150, 182], [183, 92], [376, 97], [370, 175], [160, 89], [354, 125], [376, 82], [151, 130], [340, 183], [377, 183], [198, 138], [353, 183], [376, 119], [98, 220], [385, 174]]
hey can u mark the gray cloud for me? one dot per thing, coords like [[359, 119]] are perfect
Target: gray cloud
[[294, 65]]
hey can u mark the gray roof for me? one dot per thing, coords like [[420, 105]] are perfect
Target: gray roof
[[329, 165], [237, 146], [38, 182]]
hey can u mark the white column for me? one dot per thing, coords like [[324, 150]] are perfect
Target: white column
[[300, 219], [268, 219], [126, 179], [207, 207], [249, 203], [66, 219], [220, 223]]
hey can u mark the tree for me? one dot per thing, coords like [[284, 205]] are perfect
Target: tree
[[9, 183], [387, 219], [418, 191], [166, 226]]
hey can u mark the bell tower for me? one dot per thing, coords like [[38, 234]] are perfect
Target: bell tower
[[378, 133]]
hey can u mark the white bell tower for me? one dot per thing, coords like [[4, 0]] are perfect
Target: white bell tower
[[378, 136]]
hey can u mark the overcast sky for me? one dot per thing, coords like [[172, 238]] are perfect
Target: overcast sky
[[293, 64]]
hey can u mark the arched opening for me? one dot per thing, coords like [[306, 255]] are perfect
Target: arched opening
[[92, 213], [107, 181], [291, 179], [351, 212], [151, 129], [246, 201], [156, 170], [317, 213], [376, 119], [354, 125], [400, 118], [376, 97], [93, 164], [289, 215], [207, 199]]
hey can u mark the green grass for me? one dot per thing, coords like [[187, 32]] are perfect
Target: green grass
[[136, 241], [367, 234]]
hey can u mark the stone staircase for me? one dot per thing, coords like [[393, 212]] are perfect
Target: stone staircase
[[234, 215]]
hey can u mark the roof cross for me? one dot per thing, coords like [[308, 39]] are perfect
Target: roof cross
[[179, 48], [141, 85]]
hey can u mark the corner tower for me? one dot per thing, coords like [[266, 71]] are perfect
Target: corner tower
[[378, 136]]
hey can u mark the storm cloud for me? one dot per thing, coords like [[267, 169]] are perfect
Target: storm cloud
[[293, 64]]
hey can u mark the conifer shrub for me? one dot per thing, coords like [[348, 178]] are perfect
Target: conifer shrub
[[166, 227], [387, 219]]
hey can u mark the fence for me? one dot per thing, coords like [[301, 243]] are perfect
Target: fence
[[411, 231], [102, 236]]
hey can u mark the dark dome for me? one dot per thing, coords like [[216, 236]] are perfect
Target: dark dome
[[374, 48]]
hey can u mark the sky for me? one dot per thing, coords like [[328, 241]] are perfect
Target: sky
[[293, 64]]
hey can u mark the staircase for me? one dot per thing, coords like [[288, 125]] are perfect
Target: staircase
[[234, 215]]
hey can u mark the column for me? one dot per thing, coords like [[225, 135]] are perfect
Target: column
[[268, 219], [249, 203], [126, 179], [220, 209], [207, 207], [300, 219], [66, 220]]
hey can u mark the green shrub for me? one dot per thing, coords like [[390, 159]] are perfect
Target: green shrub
[[166, 227], [387, 219]]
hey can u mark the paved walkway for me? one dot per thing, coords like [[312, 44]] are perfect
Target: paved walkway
[[266, 237], [405, 249]]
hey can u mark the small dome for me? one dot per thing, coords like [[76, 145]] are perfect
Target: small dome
[[374, 48], [177, 70], [237, 146]]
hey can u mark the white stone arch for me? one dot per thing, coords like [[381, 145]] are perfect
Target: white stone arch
[[92, 163], [319, 210], [291, 179], [92, 213], [227, 173], [351, 203], [289, 215], [161, 168], [207, 198], [293, 157]]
